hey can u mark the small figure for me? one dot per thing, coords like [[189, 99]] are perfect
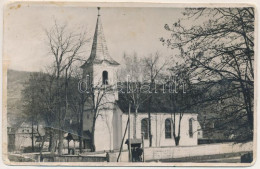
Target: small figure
[[134, 154], [139, 152]]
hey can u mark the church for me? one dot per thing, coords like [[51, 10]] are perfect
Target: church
[[111, 119]]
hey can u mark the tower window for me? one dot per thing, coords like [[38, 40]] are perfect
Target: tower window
[[105, 77]]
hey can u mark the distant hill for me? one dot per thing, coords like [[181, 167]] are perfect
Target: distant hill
[[15, 84]]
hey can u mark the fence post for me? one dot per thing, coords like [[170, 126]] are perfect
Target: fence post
[[129, 136]]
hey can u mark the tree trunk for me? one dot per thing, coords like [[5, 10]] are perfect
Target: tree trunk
[[81, 126], [68, 147], [50, 142], [177, 140], [135, 120], [61, 115], [149, 113], [80, 137], [32, 138], [60, 144], [56, 143], [150, 130], [41, 148], [93, 147], [250, 113], [53, 142], [149, 123]]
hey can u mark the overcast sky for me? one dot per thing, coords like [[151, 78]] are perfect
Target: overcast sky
[[126, 30]]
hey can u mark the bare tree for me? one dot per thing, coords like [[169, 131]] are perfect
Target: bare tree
[[64, 47], [77, 101], [153, 68], [134, 71], [221, 50], [180, 97]]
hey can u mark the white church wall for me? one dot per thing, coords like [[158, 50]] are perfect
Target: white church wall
[[158, 129], [117, 129], [104, 130]]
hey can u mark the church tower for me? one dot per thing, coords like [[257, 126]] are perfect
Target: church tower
[[100, 70], [100, 66]]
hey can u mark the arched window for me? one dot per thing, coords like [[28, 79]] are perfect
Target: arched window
[[144, 127], [190, 128], [168, 128], [105, 77]]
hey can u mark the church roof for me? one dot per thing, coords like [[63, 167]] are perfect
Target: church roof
[[99, 51], [160, 104]]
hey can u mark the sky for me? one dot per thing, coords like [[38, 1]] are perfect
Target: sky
[[126, 30]]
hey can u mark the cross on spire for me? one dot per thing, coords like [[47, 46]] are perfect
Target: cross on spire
[[98, 11]]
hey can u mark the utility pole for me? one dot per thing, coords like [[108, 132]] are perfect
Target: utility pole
[[143, 145], [129, 136], [32, 134], [123, 140]]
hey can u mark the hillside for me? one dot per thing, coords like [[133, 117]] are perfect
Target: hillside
[[15, 84]]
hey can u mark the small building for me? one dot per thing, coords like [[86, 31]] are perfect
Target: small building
[[11, 139], [20, 136]]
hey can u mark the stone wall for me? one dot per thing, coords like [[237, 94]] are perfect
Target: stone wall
[[80, 159], [156, 153]]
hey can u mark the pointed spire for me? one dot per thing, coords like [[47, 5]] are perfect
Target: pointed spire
[[99, 51]]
